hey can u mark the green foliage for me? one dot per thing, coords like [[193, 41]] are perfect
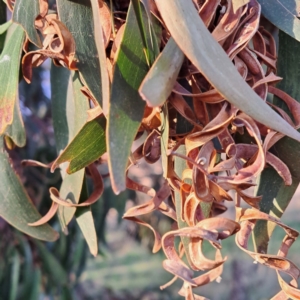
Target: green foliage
[[16, 207], [284, 15], [79, 20], [219, 72], [276, 195], [158, 84], [9, 74], [126, 105], [25, 14], [87, 146], [181, 84]]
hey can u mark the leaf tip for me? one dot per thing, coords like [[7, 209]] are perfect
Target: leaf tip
[[117, 187], [94, 252], [150, 102]]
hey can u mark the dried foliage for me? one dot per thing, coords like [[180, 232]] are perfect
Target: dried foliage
[[211, 148]]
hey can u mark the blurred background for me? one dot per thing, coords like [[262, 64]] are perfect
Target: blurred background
[[125, 267]]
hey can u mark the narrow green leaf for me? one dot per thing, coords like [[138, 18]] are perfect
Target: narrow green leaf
[[207, 55], [277, 196], [9, 74], [87, 146], [61, 101], [83, 262], [79, 256], [15, 275], [126, 106], [5, 26], [139, 17], [288, 68], [27, 266], [283, 14], [62, 246], [179, 167], [155, 31], [51, 265], [24, 14], [102, 55], [16, 207], [160, 80], [78, 17], [69, 108], [36, 280], [70, 189], [67, 293], [16, 130], [85, 221]]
